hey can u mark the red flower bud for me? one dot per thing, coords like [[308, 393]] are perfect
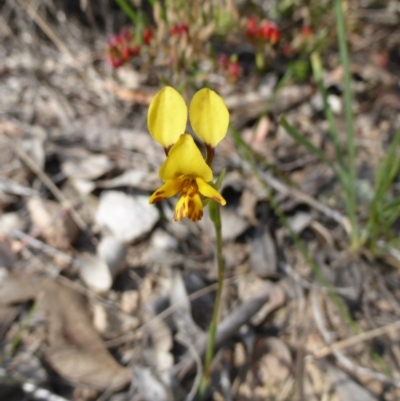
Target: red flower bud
[[115, 62], [125, 52], [134, 50], [126, 33], [252, 29], [179, 30], [115, 41], [270, 31], [234, 69], [147, 36], [306, 31]]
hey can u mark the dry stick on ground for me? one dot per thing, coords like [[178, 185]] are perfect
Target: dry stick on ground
[[50, 186], [85, 291], [199, 365], [73, 285], [343, 360], [282, 188], [348, 342], [38, 393], [31, 241], [231, 324], [88, 72], [165, 313], [279, 186]]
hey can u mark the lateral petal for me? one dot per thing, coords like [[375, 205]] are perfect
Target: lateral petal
[[169, 189]]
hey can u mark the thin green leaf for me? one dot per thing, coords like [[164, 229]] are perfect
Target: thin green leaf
[[128, 10], [247, 155], [351, 201], [389, 168], [333, 130], [302, 140], [220, 180]]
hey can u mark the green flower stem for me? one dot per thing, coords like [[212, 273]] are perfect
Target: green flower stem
[[216, 219], [260, 63]]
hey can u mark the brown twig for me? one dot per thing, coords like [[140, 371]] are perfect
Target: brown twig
[[199, 365], [282, 188], [231, 324], [343, 360], [40, 245], [164, 314], [348, 342], [46, 28], [88, 72], [49, 185]]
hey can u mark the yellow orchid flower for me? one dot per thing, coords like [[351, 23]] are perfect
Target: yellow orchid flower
[[185, 171]]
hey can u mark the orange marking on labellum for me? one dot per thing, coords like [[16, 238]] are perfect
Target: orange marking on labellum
[[191, 204], [159, 192]]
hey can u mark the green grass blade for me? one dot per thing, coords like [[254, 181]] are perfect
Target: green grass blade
[[351, 201], [281, 84], [392, 213], [333, 130], [128, 10], [247, 155], [383, 213], [389, 168], [305, 142]]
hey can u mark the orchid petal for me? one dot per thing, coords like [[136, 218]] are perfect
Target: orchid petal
[[209, 116], [167, 117], [185, 158], [209, 192], [169, 189]]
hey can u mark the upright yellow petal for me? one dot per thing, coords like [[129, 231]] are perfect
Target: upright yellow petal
[[185, 158], [209, 116], [167, 117]]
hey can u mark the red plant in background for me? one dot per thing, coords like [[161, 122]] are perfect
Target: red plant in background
[[147, 36], [223, 61], [123, 46], [287, 49], [230, 65], [114, 61], [252, 29], [268, 30], [306, 31], [234, 69], [179, 30]]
